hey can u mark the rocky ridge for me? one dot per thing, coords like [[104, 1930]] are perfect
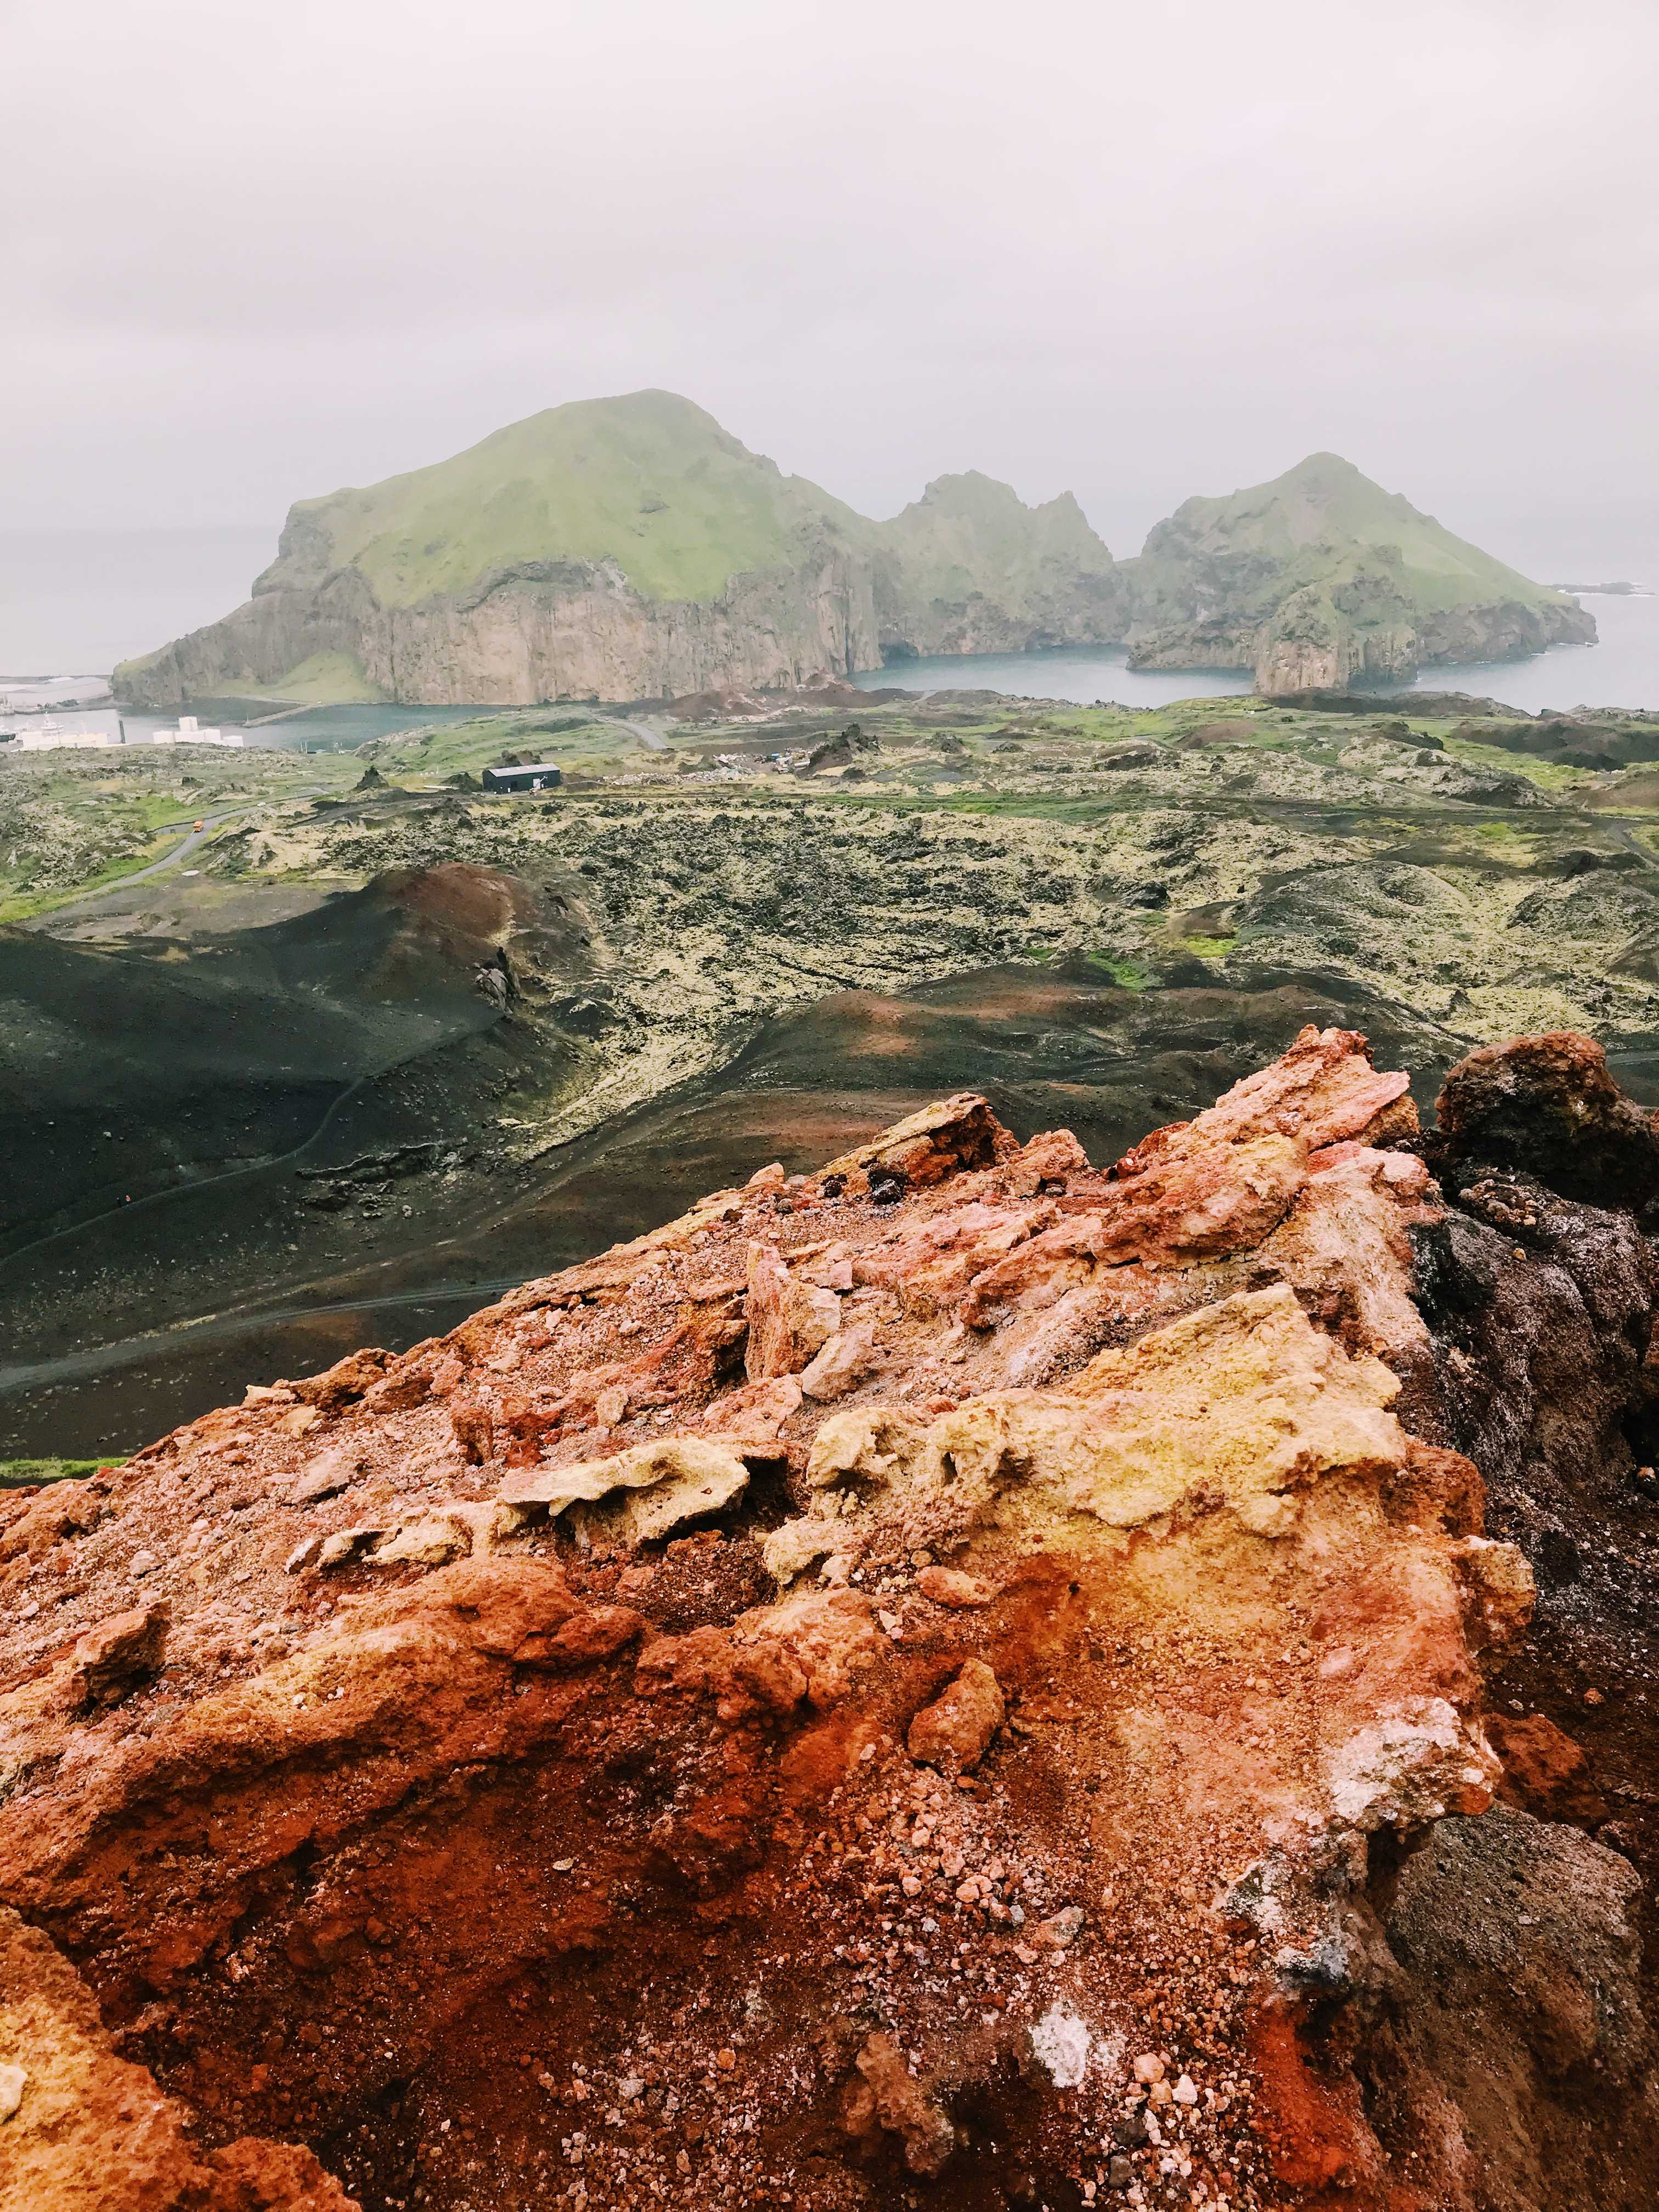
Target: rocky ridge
[[1320, 580], [961, 1677], [631, 549]]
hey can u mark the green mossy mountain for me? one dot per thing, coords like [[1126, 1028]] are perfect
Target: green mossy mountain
[[1320, 578], [631, 549], [649, 483], [970, 569]]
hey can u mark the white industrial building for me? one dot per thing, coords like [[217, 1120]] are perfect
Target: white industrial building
[[50, 736], [190, 732]]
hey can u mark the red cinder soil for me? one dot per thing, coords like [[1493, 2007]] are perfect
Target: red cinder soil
[[967, 1680]]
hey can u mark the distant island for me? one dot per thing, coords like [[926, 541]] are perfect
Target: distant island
[[1608, 591], [631, 549]]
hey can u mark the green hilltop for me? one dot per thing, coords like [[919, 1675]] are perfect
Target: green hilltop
[[648, 481], [631, 548], [1320, 578], [966, 526], [1321, 516]]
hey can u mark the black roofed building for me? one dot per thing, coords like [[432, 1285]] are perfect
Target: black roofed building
[[523, 776]]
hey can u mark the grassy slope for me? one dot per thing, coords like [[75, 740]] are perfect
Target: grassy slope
[[1313, 523], [329, 679], [646, 480], [16, 1473], [652, 482], [968, 533]]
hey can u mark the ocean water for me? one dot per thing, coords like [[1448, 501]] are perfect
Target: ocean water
[[1622, 670], [73, 602], [1084, 674]]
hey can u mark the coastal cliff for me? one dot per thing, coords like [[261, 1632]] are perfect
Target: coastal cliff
[[540, 630], [631, 549], [1320, 580]]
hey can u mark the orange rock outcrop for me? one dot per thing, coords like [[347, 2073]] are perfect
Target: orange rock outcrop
[[897, 1681]]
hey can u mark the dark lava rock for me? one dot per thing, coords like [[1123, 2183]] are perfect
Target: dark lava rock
[[1399, 732], [1548, 1105], [1586, 860], [1237, 731], [1519, 1957], [842, 747], [1543, 1314], [1435, 706], [1572, 741]]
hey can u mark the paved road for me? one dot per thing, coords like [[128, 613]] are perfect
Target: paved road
[[210, 823], [643, 732]]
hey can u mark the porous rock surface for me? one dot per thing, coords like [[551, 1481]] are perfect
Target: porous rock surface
[[959, 1679]]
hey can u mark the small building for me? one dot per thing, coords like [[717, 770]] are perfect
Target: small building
[[527, 775], [190, 732], [48, 738]]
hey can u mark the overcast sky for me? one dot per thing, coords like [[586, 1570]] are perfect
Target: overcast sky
[[256, 253]]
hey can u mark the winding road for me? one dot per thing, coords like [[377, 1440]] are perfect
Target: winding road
[[644, 733], [210, 823], [1626, 837], [182, 852]]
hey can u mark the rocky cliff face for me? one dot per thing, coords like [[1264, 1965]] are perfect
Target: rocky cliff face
[[628, 550], [1313, 643], [960, 1678], [544, 630], [1320, 580], [1310, 643], [631, 549], [967, 569]]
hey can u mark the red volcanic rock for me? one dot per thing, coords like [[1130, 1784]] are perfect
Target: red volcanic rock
[[789, 1320], [950, 1586], [117, 1654], [1544, 1770], [89, 2129], [937, 1694], [885, 2094], [954, 1733]]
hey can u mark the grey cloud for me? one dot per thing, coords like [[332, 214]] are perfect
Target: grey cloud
[[1138, 252]]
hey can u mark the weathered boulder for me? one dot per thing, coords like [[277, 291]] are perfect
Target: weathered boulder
[[120, 1653], [789, 1320], [954, 1733], [1548, 1106]]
